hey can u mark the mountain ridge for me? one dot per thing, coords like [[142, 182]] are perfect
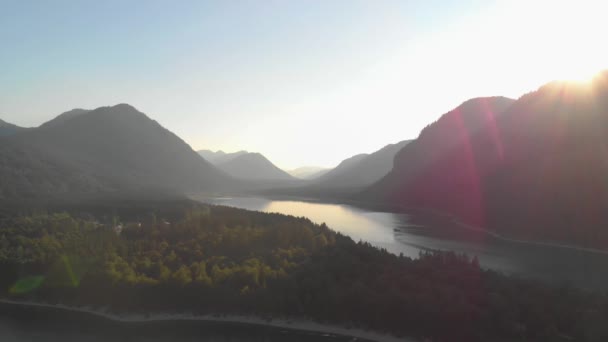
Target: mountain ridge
[[118, 148], [532, 172]]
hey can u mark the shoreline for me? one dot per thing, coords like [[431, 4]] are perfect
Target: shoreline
[[299, 325], [505, 238], [404, 210]]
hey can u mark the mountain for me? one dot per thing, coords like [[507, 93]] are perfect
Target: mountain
[[219, 157], [344, 167], [245, 165], [308, 172], [106, 149], [7, 129], [533, 169], [439, 160], [253, 166], [351, 176], [65, 117], [363, 169]]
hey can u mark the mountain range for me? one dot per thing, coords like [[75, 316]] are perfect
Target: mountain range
[[351, 176], [532, 168]]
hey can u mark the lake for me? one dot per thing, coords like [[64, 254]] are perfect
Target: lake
[[411, 233]]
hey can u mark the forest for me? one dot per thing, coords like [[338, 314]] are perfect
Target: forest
[[192, 258]]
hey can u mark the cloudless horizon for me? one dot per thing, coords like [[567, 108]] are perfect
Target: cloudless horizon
[[306, 83]]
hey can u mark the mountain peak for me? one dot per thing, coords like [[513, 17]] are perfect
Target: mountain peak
[[123, 148], [245, 165], [124, 106], [253, 166]]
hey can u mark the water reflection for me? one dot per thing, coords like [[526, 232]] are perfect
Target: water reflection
[[358, 224], [414, 232]]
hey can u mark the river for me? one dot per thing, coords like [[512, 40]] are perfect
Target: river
[[411, 233]]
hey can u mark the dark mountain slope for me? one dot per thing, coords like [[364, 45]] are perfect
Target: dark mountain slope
[[7, 129], [121, 149], [444, 162], [27, 173], [553, 183], [536, 171]]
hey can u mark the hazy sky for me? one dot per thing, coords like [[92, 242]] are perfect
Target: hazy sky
[[304, 82]]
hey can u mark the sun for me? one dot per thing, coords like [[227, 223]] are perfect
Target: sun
[[579, 73]]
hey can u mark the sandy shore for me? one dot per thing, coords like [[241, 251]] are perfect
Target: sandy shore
[[282, 323]]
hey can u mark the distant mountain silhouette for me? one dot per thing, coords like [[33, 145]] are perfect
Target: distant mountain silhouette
[[351, 176], [363, 169], [533, 169], [308, 172], [253, 166], [7, 129], [106, 149], [219, 157], [245, 165], [344, 166]]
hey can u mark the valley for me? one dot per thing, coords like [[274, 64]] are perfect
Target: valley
[[96, 211]]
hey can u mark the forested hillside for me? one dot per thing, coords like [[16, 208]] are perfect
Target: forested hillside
[[185, 257]]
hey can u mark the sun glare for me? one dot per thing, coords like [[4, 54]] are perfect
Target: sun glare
[[579, 73]]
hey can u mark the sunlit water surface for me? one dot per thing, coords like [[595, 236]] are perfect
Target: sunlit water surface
[[412, 233]]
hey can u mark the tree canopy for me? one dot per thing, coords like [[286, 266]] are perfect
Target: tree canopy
[[212, 259]]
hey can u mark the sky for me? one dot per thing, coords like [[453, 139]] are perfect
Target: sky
[[304, 82]]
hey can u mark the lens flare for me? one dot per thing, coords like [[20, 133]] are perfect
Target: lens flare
[[26, 285], [66, 272]]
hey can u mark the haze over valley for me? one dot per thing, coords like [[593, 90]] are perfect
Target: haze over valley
[[464, 164], [379, 171]]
